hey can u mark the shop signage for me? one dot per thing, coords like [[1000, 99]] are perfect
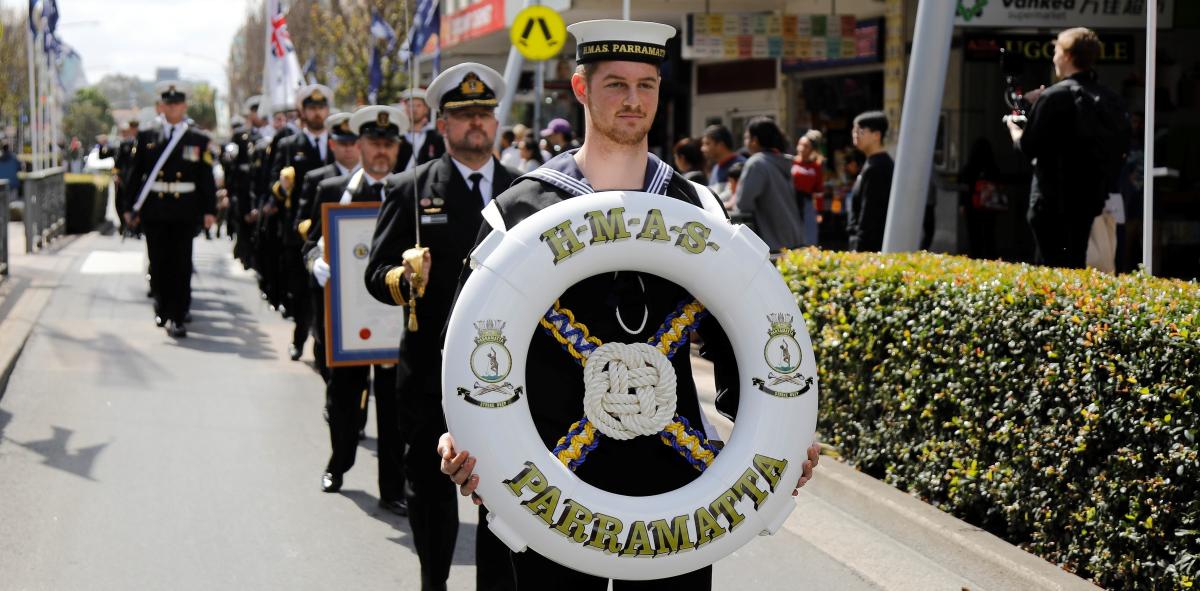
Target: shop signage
[[1060, 14], [1115, 48], [476, 20], [809, 38]]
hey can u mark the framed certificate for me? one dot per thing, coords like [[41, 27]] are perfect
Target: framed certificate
[[359, 330]]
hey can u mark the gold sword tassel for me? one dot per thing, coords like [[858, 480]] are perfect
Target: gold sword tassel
[[415, 259]]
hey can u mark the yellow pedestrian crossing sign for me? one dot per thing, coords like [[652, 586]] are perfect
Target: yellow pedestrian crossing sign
[[538, 33]]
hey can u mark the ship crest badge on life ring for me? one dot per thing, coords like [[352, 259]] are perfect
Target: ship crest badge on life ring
[[783, 355], [491, 362]]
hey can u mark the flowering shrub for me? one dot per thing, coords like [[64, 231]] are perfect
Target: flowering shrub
[[1054, 408]]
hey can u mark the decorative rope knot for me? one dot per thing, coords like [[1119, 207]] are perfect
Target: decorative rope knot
[[629, 390]]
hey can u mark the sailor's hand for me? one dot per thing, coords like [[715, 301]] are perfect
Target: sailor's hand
[[814, 454], [209, 220], [130, 220], [1032, 96], [459, 466]]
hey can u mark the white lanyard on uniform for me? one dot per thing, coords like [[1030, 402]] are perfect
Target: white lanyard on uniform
[[162, 159]]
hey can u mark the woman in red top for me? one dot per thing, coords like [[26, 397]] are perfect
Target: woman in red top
[[808, 178]]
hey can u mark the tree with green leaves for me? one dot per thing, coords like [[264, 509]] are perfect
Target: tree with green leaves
[[89, 114], [202, 106]]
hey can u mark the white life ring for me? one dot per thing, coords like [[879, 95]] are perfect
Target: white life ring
[[518, 274]]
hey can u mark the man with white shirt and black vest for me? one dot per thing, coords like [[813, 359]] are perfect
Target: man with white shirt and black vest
[[438, 206], [293, 158], [378, 131], [172, 192], [423, 142], [344, 144]]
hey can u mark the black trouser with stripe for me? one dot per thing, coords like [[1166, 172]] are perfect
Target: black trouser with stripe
[[169, 246], [345, 400]]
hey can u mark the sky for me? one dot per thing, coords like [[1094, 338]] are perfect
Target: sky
[[135, 37]]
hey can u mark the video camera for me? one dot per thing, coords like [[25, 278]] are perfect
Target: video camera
[[1012, 66]]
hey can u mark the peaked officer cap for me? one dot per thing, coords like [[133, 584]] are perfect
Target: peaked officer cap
[[379, 121], [314, 94], [253, 103], [465, 85], [172, 91], [338, 125]]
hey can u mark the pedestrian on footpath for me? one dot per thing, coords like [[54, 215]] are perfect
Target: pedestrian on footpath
[[868, 200], [377, 129], [765, 192], [626, 56], [172, 171], [438, 205], [717, 145], [808, 178], [1076, 137]]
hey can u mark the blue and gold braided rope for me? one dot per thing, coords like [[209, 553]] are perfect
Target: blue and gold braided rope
[[576, 340]]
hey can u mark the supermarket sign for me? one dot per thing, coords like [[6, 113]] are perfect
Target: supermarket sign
[[1096, 14]]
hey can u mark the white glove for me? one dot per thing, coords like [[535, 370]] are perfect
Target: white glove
[[321, 271]]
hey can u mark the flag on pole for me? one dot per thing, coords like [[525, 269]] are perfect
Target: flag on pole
[[33, 20], [383, 31], [310, 70], [282, 76], [50, 11], [374, 77], [426, 23]]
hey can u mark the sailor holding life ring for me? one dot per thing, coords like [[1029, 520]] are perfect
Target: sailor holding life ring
[[617, 81]]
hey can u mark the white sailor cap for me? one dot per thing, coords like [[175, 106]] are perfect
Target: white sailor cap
[[252, 103], [413, 93], [314, 94], [172, 91], [380, 121], [621, 41], [465, 85], [338, 125]]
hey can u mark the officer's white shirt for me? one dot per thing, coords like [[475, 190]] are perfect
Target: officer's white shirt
[[485, 184], [169, 130], [417, 139], [320, 141], [342, 170]]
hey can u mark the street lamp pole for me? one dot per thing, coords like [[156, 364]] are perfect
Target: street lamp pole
[[1148, 140]]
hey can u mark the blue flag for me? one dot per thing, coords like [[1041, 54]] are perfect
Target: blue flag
[[50, 11], [375, 77], [383, 31], [426, 23]]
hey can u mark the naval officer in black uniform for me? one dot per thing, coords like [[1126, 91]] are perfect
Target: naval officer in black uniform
[[378, 129], [172, 194], [617, 81], [423, 142], [344, 144], [448, 195], [299, 153]]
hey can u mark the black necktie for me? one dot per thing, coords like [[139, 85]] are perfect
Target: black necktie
[[476, 179]]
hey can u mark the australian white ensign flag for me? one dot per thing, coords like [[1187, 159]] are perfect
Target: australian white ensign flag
[[281, 70]]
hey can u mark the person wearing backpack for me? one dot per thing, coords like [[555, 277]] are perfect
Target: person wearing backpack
[[1076, 137]]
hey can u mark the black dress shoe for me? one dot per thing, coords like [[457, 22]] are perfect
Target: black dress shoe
[[294, 352], [176, 330], [399, 506], [331, 482], [159, 321]]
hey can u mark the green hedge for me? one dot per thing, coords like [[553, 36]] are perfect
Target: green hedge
[[1057, 409]]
